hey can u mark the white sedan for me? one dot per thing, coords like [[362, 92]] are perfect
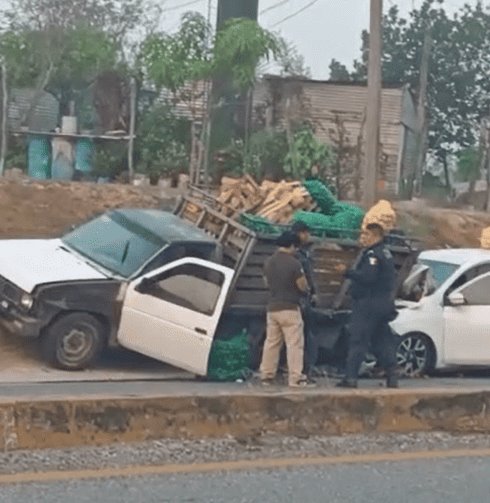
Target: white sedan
[[444, 315]]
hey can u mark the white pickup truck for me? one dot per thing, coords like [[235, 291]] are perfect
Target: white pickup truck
[[144, 279]]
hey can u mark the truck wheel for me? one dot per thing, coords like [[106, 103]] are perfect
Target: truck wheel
[[74, 341]]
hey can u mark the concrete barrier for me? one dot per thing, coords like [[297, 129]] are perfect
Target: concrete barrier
[[68, 422]]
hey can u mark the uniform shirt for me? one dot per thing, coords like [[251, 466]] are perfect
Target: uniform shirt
[[304, 256], [281, 271], [374, 275]]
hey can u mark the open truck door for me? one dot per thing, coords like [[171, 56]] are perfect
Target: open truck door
[[172, 313]]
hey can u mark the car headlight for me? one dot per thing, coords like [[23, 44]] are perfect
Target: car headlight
[[26, 301]]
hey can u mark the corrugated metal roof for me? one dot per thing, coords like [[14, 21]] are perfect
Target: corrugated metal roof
[[350, 83], [45, 116]]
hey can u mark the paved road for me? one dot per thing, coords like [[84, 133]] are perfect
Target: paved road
[[424, 480]]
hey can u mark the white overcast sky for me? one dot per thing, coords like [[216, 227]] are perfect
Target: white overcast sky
[[328, 29], [325, 30]]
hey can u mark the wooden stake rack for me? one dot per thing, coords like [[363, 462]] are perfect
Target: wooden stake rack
[[236, 240]]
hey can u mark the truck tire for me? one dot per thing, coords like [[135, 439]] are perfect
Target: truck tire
[[74, 341]]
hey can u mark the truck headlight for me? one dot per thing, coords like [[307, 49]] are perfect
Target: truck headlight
[[26, 301]]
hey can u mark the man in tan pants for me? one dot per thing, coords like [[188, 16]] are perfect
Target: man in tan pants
[[287, 284]]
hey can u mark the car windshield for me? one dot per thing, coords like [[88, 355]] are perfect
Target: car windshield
[[440, 271], [114, 243]]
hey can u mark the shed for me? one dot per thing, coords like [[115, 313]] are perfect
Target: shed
[[325, 103]]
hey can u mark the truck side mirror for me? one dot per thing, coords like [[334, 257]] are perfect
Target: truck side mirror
[[456, 299]]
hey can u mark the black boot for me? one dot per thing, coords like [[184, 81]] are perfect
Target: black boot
[[347, 383]]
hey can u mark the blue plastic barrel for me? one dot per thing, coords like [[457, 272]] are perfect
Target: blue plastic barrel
[[84, 154], [39, 157]]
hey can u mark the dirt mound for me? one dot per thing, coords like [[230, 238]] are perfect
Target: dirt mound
[[38, 209], [49, 209], [439, 227]]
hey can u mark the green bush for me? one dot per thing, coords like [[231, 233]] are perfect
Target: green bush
[[162, 143]]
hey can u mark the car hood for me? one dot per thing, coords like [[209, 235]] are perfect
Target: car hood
[[31, 262]]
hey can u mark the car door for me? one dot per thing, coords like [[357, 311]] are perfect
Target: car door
[[171, 314], [467, 326]]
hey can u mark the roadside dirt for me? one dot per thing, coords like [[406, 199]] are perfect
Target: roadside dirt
[[33, 209], [49, 209], [441, 227]]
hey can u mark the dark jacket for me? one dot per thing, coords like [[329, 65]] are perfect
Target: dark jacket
[[375, 274], [304, 256]]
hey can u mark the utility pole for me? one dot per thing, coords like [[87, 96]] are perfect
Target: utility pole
[[485, 157], [229, 113], [3, 146], [132, 124], [206, 130], [422, 112], [371, 166]]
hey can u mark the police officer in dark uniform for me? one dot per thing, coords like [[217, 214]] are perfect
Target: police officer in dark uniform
[[308, 302], [372, 291]]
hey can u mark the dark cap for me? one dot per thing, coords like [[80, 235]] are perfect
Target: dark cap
[[288, 239], [298, 227]]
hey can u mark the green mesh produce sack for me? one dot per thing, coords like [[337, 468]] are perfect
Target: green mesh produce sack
[[321, 194], [347, 219], [344, 224], [228, 360]]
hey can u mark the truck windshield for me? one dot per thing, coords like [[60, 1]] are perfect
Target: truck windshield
[[114, 243], [440, 271]]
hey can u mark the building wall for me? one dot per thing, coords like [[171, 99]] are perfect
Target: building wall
[[188, 103]]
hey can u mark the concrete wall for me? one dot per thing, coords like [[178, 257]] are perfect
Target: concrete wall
[[69, 421]]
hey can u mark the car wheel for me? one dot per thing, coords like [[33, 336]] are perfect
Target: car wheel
[[415, 355], [74, 341]]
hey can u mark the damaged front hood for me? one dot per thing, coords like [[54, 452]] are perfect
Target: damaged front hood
[[31, 262]]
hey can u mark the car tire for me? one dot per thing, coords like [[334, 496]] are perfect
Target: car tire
[[74, 341], [416, 355]]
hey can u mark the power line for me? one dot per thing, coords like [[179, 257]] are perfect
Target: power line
[[294, 14], [274, 6], [182, 6]]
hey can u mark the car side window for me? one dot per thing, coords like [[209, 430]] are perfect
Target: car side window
[[175, 252], [477, 293], [468, 276], [191, 286]]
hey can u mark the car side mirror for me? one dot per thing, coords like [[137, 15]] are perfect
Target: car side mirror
[[456, 299], [144, 286]]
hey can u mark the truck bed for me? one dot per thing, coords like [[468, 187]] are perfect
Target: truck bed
[[246, 252]]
